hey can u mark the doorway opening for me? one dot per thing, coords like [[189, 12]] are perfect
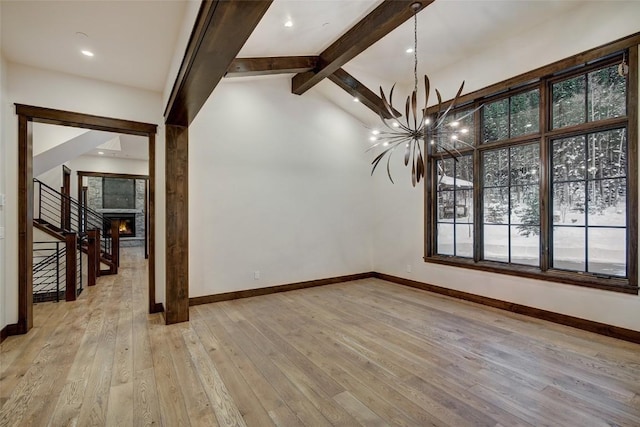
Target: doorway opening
[[27, 115]]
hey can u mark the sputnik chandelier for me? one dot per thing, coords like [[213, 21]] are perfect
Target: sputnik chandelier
[[442, 133]]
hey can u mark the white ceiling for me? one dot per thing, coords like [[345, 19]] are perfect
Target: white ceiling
[[316, 24], [47, 136], [133, 41], [448, 31], [131, 147]]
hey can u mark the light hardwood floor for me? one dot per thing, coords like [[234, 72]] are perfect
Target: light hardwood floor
[[367, 353]]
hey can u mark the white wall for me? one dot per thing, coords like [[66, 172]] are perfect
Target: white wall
[[52, 177], [4, 177], [46, 136], [398, 229], [104, 164], [188, 21], [31, 86], [278, 183]]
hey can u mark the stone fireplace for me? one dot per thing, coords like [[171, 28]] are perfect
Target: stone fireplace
[[121, 198], [127, 224]]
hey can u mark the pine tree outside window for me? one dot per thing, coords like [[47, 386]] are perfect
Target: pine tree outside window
[[545, 192]]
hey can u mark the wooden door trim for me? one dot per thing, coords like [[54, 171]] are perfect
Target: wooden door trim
[[27, 115]]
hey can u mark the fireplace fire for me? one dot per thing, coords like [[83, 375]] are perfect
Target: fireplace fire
[[127, 226]]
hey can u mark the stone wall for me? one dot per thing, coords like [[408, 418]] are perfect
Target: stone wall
[[94, 202]]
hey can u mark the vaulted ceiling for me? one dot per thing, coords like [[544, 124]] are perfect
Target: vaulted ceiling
[[134, 41]]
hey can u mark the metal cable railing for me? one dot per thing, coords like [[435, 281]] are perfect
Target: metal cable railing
[[49, 271], [54, 261], [67, 214]]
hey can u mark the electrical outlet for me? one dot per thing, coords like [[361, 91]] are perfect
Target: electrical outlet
[[2, 199], [1, 232], [408, 268], [256, 275]]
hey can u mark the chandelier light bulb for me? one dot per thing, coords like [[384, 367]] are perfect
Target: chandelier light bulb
[[373, 138], [375, 132], [418, 124]]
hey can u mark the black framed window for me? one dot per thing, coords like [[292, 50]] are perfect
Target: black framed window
[[455, 206], [543, 189], [511, 204], [589, 193], [511, 117]]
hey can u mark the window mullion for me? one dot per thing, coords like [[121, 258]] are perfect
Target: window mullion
[[632, 166], [478, 225], [546, 241], [478, 242]]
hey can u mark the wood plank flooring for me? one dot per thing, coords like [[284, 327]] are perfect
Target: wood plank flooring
[[367, 353]]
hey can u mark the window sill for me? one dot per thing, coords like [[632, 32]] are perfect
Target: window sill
[[577, 279]]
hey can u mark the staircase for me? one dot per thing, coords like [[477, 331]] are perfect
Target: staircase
[[53, 278], [68, 220]]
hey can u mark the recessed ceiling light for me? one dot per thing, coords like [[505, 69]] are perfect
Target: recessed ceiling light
[[410, 50], [86, 53], [101, 152], [356, 100], [289, 23]]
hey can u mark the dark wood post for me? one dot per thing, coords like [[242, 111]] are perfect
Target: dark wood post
[[98, 252], [25, 224], [71, 261], [177, 219], [65, 211], [91, 256], [85, 191], [115, 245], [146, 219]]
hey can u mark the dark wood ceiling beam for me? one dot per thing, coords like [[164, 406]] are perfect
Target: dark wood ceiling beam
[[221, 29], [356, 89], [243, 67], [377, 24]]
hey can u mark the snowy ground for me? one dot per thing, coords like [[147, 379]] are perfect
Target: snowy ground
[[607, 246]]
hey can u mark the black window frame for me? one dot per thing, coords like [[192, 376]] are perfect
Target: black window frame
[[543, 78]]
